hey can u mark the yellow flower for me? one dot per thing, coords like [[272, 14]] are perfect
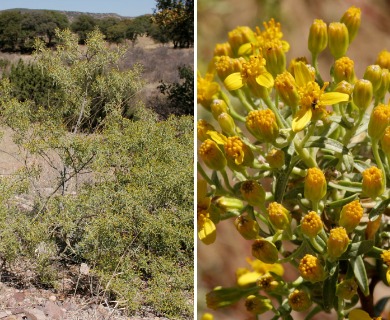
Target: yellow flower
[[344, 87], [373, 184], [207, 89], [239, 36], [258, 304], [383, 59], [279, 216], [315, 184], [267, 282], [237, 152], [350, 215], [262, 125], [385, 142], [358, 314], [287, 89], [207, 316], [352, 19], [253, 73], [338, 242], [247, 227], [211, 155], [265, 251], [258, 268], [379, 120], [207, 232], [275, 158], [299, 300], [386, 257], [318, 37], [253, 192], [225, 65], [311, 269], [223, 49], [344, 70], [338, 39], [202, 126], [274, 54], [311, 224], [346, 289], [313, 99]]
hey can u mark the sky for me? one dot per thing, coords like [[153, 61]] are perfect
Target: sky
[[127, 8]]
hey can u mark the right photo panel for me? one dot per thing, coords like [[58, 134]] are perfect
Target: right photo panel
[[293, 151]]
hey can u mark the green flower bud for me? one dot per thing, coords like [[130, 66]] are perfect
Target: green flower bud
[[385, 84], [226, 204], [344, 87], [217, 107], [265, 251], [258, 304], [253, 192], [299, 300], [247, 227], [202, 127], [346, 289], [311, 224], [238, 153], [352, 19], [344, 70], [315, 185], [287, 89], [318, 37], [379, 120], [351, 215], [267, 282], [373, 73], [275, 57], [222, 297], [338, 242], [211, 155], [385, 142], [373, 184], [362, 94], [311, 269], [279, 216], [262, 125], [338, 39], [275, 158], [227, 124]]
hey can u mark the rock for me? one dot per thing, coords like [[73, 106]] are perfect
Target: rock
[[53, 311], [19, 296], [52, 298], [34, 314]]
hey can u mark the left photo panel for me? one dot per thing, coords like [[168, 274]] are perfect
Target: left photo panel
[[97, 159]]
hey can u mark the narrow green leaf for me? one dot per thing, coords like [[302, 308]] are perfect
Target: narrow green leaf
[[341, 202], [327, 143], [329, 289], [380, 306], [360, 273], [378, 209], [350, 188], [357, 249]]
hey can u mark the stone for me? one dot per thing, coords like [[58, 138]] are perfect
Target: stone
[[53, 311], [34, 314]]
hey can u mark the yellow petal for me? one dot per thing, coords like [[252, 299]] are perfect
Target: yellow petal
[[330, 98], [276, 268], [358, 314], [301, 119], [234, 81], [202, 189], [302, 74], [388, 276], [207, 233], [219, 138], [248, 278], [240, 158], [245, 49], [265, 80], [285, 46]]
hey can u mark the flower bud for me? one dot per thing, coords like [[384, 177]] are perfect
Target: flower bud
[[373, 184], [383, 59], [226, 204], [224, 66], [299, 300], [207, 231], [207, 89], [385, 255], [217, 107], [223, 49], [346, 289], [318, 37], [385, 142], [379, 120], [275, 158], [262, 125], [227, 124], [338, 242], [247, 227], [238, 153], [344, 70], [211, 155], [373, 73], [240, 36], [279, 216], [258, 304], [311, 224], [207, 316], [311, 269], [352, 19], [267, 282], [275, 57], [221, 297], [253, 193], [202, 127], [338, 39], [315, 185], [362, 94], [344, 87], [350, 215], [265, 251], [287, 89], [373, 227], [385, 84]]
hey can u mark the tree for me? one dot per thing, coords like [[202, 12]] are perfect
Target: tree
[[82, 25], [176, 19], [10, 30]]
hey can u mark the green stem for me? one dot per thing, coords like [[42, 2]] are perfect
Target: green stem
[[245, 103], [314, 58], [304, 154], [309, 133], [204, 175], [375, 151], [281, 122], [226, 180], [232, 111]]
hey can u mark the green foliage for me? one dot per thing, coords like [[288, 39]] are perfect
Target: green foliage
[[118, 191], [83, 25], [180, 94]]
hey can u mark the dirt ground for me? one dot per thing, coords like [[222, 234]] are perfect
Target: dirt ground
[[217, 263]]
